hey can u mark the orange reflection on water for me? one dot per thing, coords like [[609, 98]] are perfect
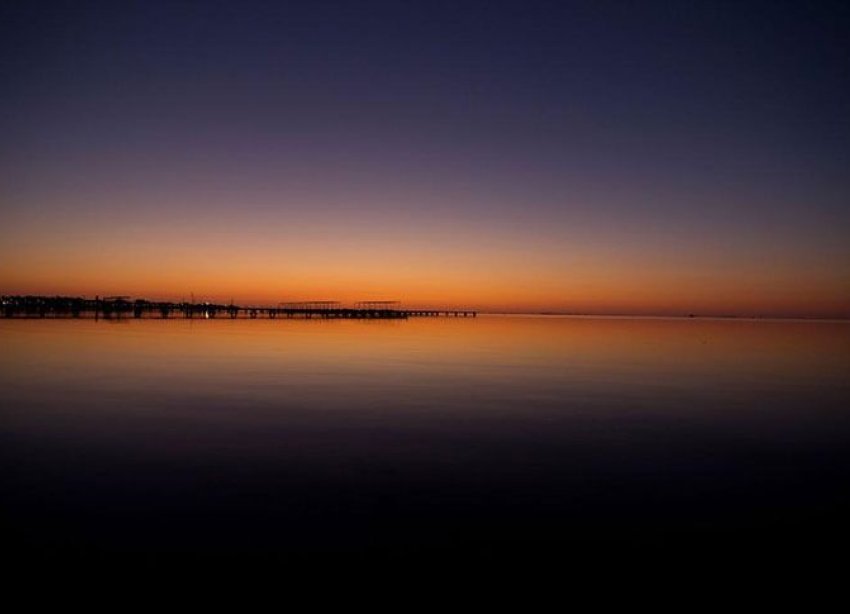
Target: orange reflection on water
[[596, 349]]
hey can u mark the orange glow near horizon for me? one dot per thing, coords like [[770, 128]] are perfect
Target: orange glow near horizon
[[427, 258], [495, 280]]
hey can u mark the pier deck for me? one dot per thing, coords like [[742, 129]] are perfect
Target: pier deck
[[121, 307]]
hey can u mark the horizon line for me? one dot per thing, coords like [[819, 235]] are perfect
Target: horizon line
[[660, 314]]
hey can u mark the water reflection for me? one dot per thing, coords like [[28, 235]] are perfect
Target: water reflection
[[281, 437]]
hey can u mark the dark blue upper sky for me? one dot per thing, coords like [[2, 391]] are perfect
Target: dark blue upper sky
[[677, 91]]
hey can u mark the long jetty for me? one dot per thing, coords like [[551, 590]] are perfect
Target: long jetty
[[123, 307]]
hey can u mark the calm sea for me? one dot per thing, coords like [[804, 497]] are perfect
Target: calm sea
[[295, 438]]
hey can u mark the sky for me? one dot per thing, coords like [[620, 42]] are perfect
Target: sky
[[592, 157]]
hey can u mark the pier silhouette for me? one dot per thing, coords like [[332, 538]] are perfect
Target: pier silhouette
[[117, 307]]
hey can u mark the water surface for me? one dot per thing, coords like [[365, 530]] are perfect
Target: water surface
[[291, 438]]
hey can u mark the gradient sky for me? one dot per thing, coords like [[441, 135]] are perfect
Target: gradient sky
[[643, 157]]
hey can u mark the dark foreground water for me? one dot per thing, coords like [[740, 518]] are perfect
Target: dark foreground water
[[476, 437]]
